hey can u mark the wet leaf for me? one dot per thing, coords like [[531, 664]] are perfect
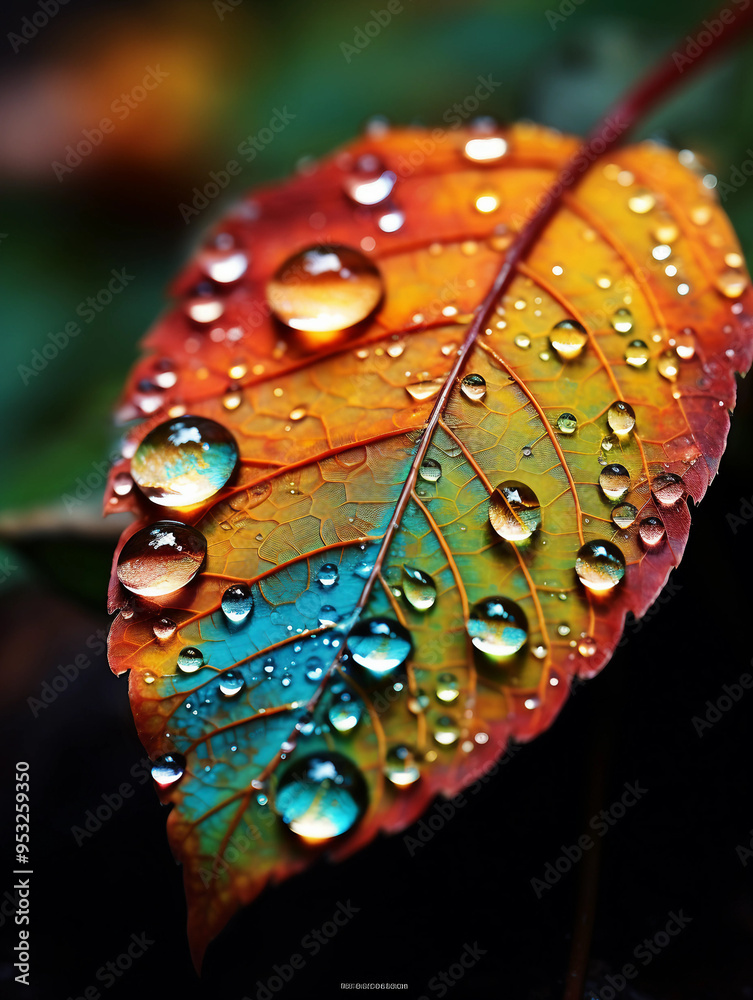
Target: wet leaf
[[303, 685]]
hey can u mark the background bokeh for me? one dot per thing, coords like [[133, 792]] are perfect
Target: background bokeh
[[228, 68]]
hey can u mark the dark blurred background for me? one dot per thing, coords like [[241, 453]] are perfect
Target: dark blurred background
[[223, 69]]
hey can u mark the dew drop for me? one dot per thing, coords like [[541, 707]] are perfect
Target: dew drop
[[430, 470], [685, 344], [614, 481], [668, 366], [497, 626], [325, 289], [622, 321], [164, 628], [168, 769], [190, 659], [568, 339], [231, 684], [665, 229], [345, 712], [636, 354], [651, 531], [600, 565], [447, 731], [400, 766], [418, 702], [486, 150], [184, 461], [161, 558], [328, 575], [587, 645], [621, 417], [514, 511], [448, 688], [321, 797], [732, 283], [567, 423], [232, 400], [369, 183], [473, 387], [224, 265], [427, 389], [122, 484], [204, 310], [624, 514], [668, 488], [419, 588], [237, 603], [487, 202], [379, 645], [641, 202], [523, 341]]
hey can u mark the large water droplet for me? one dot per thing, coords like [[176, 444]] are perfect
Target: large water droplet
[[448, 688], [328, 575], [380, 645], [168, 769], [514, 511], [321, 797], [651, 531], [636, 354], [621, 417], [419, 589], [473, 387], [568, 339], [345, 711], [185, 461], [567, 423], [400, 766], [624, 514], [622, 320], [190, 659], [430, 471], [497, 626], [231, 684], [325, 289], [667, 488], [237, 603], [600, 565], [161, 558], [614, 481]]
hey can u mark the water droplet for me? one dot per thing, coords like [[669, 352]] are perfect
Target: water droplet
[[447, 731], [497, 626], [380, 645], [587, 645], [641, 202], [487, 202], [325, 289], [668, 366], [486, 150], [190, 660], [232, 400], [651, 530], [636, 354], [448, 688], [700, 214], [473, 387], [122, 484], [161, 558], [614, 481], [237, 603], [661, 252], [328, 575], [427, 389], [567, 423], [430, 470], [419, 589], [622, 321], [321, 797], [392, 221], [168, 769], [231, 684], [527, 451], [369, 183], [621, 417], [568, 339], [624, 514], [668, 488], [523, 341], [732, 283], [400, 766], [224, 265], [185, 461], [514, 511], [164, 628], [665, 229], [314, 670], [204, 310], [345, 712], [600, 565]]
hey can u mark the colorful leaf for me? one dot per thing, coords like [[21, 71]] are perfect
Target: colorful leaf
[[352, 646]]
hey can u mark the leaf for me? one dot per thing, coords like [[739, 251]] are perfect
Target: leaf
[[633, 300]]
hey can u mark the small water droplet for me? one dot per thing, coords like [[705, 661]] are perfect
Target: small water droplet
[[161, 558], [614, 481], [400, 766], [485, 150], [168, 769], [321, 796], [527, 451], [237, 603], [641, 202], [426, 389], [190, 659], [328, 575], [568, 339], [419, 589], [231, 684], [487, 202], [700, 214], [223, 265], [369, 183], [567, 423], [668, 488], [418, 702], [232, 400], [164, 628], [668, 366], [624, 514], [514, 511], [622, 320], [732, 283], [430, 470], [379, 645], [314, 670], [448, 688], [665, 229], [600, 565], [523, 341], [621, 417], [447, 731], [204, 310], [587, 646], [345, 711], [473, 387], [636, 354], [325, 289], [497, 626], [651, 531], [122, 484]]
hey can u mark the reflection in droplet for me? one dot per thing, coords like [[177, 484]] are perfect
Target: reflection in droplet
[[237, 603], [419, 588], [641, 202], [473, 387], [380, 645], [600, 565], [190, 659], [369, 183], [164, 628], [614, 481], [668, 488], [567, 423], [231, 684], [161, 558], [668, 366], [497, 626], [400, 766], [430, 470], [624, 514], [448, 688], [321, 796], [168, 769], [514, 511], [651, 531], [568, 339], [447, 731], [427, 389], [328, 575], [732, 283], [485, 150], [621, 417], [622, 320], [345, 711], [636, 354], [587, 646]]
